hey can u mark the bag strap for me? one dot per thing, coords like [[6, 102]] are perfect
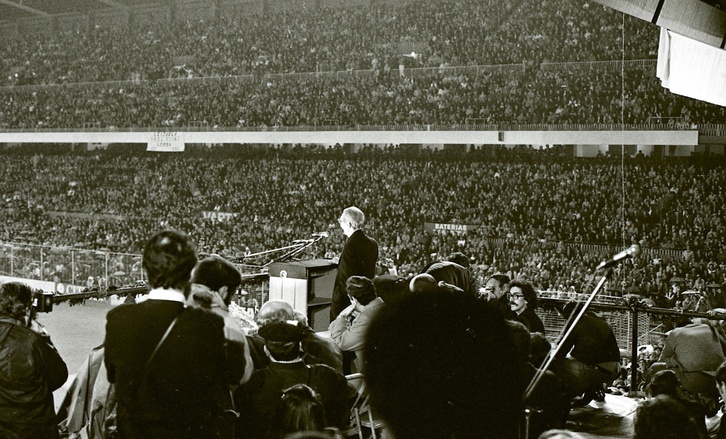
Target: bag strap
[[153, 353], [158, 345]]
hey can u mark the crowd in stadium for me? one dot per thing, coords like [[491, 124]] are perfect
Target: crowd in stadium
[[537, 213], [367, 87]]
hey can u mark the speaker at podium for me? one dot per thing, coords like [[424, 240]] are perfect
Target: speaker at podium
[[307, 286]]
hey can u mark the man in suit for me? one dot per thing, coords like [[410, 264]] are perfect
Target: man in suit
[[358, 258], [177, 393]]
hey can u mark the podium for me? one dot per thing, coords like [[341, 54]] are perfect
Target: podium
[[307, 286]]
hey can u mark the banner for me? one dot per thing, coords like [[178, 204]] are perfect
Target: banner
[[166, 141], [450, 227], [214, 215], [690, 68]]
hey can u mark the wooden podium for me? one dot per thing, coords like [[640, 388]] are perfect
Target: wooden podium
[[307, 286]]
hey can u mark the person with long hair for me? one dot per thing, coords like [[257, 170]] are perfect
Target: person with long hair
[[300, 409]]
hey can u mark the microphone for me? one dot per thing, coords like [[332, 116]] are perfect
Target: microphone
[[321, 234], [449, 287], [302, 241], [630, 252]]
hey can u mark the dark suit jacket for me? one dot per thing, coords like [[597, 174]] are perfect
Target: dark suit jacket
[[358, 258], [454, 274], [185, 382]]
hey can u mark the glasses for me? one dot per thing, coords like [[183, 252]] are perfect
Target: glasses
[[515, 295]]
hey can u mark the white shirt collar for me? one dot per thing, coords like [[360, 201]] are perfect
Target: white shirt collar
[[167, 294]]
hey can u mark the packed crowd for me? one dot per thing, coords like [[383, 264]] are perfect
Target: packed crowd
[[368, 88], [336, 39], [510, 96], [537, 213]]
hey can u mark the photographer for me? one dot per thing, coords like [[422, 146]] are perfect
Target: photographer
[[32, 368]]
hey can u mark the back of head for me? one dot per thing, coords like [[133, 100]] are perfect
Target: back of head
[[300, 409], [361, 289], [521, 339], [439, 366], [15, 299], [214, 273], [282, 339], [423, 283], [664, 382], [355, 216], [663, 417], [275, 311], [390, 287], [169, 259], [539, 348], [459, 258]]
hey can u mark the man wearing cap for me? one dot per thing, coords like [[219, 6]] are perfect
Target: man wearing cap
[[258, 399], [316, 349], [358, 258]]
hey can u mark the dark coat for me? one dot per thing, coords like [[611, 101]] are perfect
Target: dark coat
[[185, 382], [258, 399], [454, 274], [531, 320], [358, 258], [31, 370]]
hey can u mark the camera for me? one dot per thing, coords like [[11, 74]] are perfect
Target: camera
[[42, 301]]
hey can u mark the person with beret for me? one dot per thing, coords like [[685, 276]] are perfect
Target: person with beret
[[258, 399], [348, 330], [316, 348]]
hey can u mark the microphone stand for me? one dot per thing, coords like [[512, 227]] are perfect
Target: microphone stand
[[568, 328], [296, 249]]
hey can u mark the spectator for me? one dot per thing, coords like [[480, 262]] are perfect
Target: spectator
[[316, 348], [455, 271], [173, 389], [300, 409], [589, 357], [258, 399], [663, 418], [455, 336], [348, 330], [32, 368], [523, 301]]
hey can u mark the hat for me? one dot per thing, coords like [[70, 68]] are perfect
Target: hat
[[284, 331], [390, 287]]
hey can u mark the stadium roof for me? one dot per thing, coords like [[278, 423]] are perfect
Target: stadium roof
[[11, 10]]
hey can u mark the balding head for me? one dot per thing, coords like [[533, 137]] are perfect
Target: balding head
[[275, 311], [423, 282]]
